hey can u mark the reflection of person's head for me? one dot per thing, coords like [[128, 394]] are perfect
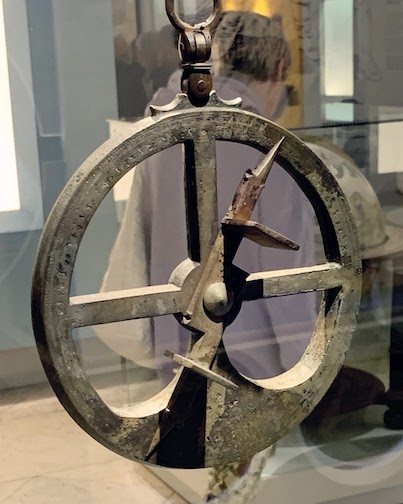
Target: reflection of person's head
[[147, 49], [121, 49], [252, 48], [168, 40]]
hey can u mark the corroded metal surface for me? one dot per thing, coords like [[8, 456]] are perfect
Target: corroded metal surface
[[237, 483], [195, 43], [246, 417]]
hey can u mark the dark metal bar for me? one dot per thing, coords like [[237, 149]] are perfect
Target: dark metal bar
[[107, 307], [286, 282], [201, 195], [201, 370]]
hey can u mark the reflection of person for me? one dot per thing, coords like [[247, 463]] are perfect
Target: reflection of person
[[146, 47], [251, 58], [252, 49], [168, 57], [132, 98], [159, 57]]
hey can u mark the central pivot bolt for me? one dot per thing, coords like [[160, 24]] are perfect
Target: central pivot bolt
[[218, 299]]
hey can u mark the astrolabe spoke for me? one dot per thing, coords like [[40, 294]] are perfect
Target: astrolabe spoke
[[190, 389], [118, 306], [294, 281], [201, 194]]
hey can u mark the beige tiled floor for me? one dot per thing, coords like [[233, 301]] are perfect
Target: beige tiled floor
[[45, 458]]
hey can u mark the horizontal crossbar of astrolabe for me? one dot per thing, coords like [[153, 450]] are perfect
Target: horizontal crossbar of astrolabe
[[159, 300]]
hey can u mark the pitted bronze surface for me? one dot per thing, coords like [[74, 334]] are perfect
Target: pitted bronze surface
[[241, 416]]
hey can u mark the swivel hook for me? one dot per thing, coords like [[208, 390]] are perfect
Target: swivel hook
[[195, 44], [181, 25]]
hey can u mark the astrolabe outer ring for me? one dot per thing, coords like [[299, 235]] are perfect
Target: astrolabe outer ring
[[285, 400]]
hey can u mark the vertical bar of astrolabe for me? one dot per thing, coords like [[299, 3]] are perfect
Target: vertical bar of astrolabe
[[201, 194]]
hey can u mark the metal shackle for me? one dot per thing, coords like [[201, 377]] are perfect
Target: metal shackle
[[181, 25]]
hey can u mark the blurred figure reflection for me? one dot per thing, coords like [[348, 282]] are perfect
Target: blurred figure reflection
[[132, 97], [251, 58]]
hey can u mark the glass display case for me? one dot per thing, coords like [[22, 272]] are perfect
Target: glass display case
[[77, 74]]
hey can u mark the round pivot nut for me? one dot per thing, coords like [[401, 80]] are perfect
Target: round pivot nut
[[197, 83], [218, 299]]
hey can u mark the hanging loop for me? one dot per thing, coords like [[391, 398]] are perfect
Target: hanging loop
[[181, 25], [195, 50]]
